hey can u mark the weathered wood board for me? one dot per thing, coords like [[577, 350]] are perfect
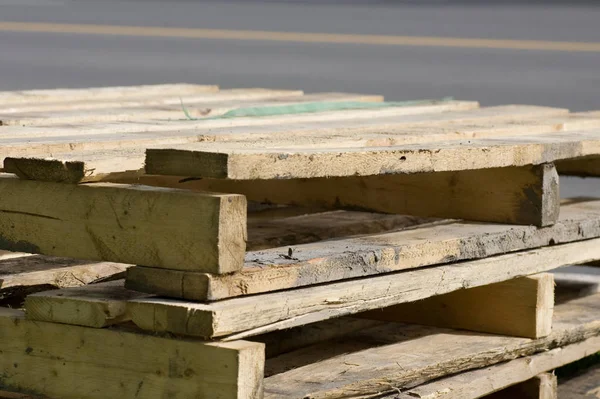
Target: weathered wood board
[[521, 307], [319, 262], [240, 317], [239, 163], [386, 359], [102, 305], [169, 228], [71, 362], [542, 386], [101, 93], [476, 383], [583, 386]]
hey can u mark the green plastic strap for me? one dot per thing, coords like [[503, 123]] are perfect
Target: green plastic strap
[[303, 108]]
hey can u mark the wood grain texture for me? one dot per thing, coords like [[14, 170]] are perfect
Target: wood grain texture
[[273, 269], [521, 307], [127, 224], [74, 362], [97, 305], [476, 383], [384, 359], [252, 315], [165, 108], [100, 93], [542, 386], [520, 195]]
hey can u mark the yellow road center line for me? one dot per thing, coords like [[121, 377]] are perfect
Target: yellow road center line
[[382, 40]]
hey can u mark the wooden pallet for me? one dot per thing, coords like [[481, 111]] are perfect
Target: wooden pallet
[[330, 359], [273, 277]]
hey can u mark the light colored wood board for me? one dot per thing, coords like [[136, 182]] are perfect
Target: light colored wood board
[[585, 166], [583, 386], [192, 126], [288, 163], [101, 93], [253, 315], [173, 111], [521, 307], [97, 305], [143, 225], [476, 383], [60, 143], [231, 96], [520, 195], [71, 362], [319, 262], [382, 360], [542, 386]]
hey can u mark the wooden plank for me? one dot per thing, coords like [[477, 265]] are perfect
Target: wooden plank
[[191, 127], [168, 108], [239, 163], [523, 195], [542, 386], [320, 262], [97, 305], [72, 362], [382, 360], [583, 386], [406, 129], [127, 224], [101, 93], [474, 384], [520, 307], [25, 275], [161, 100], [252, 315]]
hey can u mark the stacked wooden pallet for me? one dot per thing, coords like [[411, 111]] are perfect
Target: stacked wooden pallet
[[230, 300]]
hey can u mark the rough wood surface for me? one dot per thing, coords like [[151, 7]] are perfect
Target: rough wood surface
[[275, 269], [24, 275], [477, 383], [522, 195], [100, 93], [382, 360], [520, 307], [252, 315], [304, 162], [97, 305], [143, 225], [71, 362], [169, 108]]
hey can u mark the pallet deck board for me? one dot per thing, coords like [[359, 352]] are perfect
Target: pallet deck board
[[237, 318], [269, 270], [383, 359], [476, 383]]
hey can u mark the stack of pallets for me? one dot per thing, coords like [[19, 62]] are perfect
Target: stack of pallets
[[291, 246]]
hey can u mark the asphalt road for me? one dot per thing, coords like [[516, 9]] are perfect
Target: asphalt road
[[564, 78], [496, 72]]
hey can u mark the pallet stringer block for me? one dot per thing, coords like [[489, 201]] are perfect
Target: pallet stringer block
[[527, 195], [521, 307], [169, 228], [71, 362]]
